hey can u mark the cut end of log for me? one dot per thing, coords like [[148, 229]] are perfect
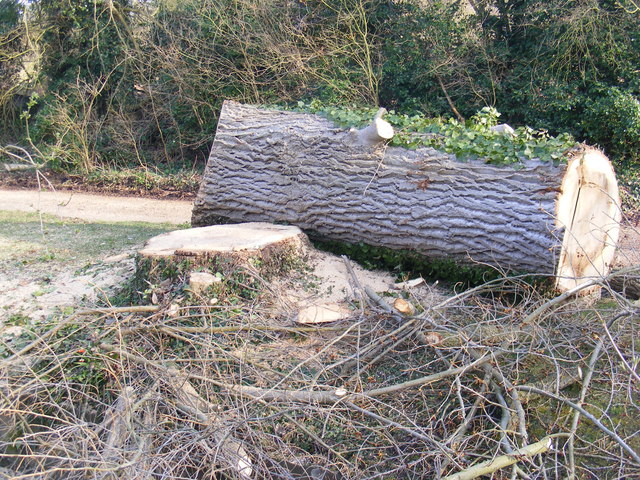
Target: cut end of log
[[588, 209], [384, 130], [404, 307]]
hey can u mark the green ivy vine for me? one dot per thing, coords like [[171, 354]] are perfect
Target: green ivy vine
[[472, 139]]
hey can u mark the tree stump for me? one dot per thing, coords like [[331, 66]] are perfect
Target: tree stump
[[346, 185], [264, 248]]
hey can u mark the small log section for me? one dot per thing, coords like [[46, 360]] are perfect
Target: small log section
[[266, 248], [347, 185]]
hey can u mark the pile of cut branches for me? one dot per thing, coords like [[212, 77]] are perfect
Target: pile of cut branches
[[495, 379]]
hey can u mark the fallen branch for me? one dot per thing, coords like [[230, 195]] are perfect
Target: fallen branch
[[497, 374], [304, 396], [117, 310], [357, 286], [14, 167], [331, 397], [446, 338], [575, 291], [63, 323], [479, 334], [118, 423], [378, 300], [513, 394], [230, 329], [462, 429], [490, 466], [189, 400], [555, 382], [428, 379], [363, 368], [576, 415], [17, 356], [586, 414], [622, 358]]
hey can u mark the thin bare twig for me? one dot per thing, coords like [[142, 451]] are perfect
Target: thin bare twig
[[632, 453]]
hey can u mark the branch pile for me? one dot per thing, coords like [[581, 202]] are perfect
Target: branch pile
[[494, 379]]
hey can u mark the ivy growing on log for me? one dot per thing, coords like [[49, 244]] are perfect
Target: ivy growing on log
[[469, 140]]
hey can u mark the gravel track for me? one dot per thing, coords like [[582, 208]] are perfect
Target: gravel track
[[92, 208]]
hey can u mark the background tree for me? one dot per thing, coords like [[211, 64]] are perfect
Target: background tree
[[128, 82], [573, 66], [13, 50]]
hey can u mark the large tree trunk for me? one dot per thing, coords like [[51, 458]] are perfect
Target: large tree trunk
[[297, 168]]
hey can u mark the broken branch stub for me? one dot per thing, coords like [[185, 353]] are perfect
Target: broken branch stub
[[376, 133]]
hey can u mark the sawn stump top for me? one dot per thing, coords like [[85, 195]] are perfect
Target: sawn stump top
[[219, 238]]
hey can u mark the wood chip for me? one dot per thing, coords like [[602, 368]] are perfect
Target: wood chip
[[404, 307], [330, 312]]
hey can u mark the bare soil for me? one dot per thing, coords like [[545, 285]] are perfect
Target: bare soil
[[97, 207], [67, 247], [50, 264]]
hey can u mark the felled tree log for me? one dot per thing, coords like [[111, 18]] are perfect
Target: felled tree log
[[628, 285], [288, 167], [493, 465]]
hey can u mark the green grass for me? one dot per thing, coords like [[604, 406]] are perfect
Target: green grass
[[31, 238]]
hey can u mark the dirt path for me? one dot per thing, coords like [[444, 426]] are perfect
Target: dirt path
[[94, 208], [80, 250]]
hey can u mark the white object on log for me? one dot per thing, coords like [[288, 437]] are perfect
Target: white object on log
[[503, 128], [376, 133], [296, 168]]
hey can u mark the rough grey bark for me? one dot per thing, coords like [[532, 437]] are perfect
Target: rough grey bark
[[627, 285], [296, 168]]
